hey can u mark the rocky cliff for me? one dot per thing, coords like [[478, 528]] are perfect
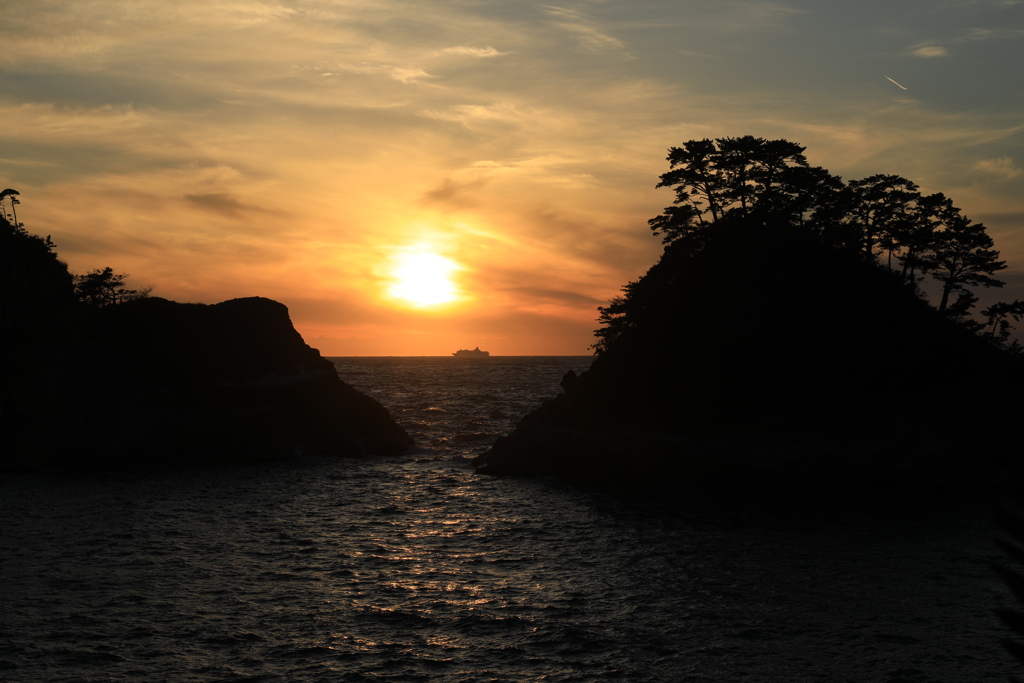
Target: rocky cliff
[[155, 381], [766, 355]]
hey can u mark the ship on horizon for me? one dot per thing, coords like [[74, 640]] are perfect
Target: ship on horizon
[[474, 353]]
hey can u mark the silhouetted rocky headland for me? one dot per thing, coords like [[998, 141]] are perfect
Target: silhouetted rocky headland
[[765, 353], [153, 381], [148, 380]]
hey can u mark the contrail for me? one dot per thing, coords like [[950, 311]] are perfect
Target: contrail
[[894, 82]]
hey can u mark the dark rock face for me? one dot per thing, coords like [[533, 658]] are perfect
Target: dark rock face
[[154, 381], [767, 355]]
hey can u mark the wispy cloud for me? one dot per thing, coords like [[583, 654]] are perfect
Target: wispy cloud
[[402, 74], [588, 36], [226, 204], [186, 141], [719, 17], [477, 52], [988, 34], [244, 13], [929, 51], [471, 115], [554, 295], [1002, 167], [764, 15], [455, 194]]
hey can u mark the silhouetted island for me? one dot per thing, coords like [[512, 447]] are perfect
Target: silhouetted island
[[146, 380], [771, 343]]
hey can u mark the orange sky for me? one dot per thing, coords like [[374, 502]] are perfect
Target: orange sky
[[304, 150]]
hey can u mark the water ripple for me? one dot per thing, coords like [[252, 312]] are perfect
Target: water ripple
[[416, 569]]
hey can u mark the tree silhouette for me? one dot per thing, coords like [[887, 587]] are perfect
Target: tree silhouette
[[881, 210], [35, 285], [697, 179], [960, 253], [764, 180], [997, 327], [907, 239], [103, 287], [757, 174], [881, 217], [37, 300], [12, 215]]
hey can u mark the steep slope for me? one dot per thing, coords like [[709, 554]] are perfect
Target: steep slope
[[765, 353], [154, 381]]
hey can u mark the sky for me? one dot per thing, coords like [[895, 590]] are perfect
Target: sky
[[411, 178]]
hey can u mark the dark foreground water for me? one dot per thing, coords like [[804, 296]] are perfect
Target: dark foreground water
[[415, 569]]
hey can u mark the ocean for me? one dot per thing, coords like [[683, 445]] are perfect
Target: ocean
[[414, 568]]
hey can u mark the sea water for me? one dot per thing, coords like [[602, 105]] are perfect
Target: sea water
[[416, 569]]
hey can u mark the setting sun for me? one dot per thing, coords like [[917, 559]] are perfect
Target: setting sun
[[413, 196], [423, 278]]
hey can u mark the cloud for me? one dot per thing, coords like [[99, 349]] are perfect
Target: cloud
[[929, 51], [711, 17], [402, 74], [557, 296], [540, 163], [477, 52], [455, 194], [988, 34], [245, 13], [763, 16], [169, 139], [225, 204], [1002, 167], [470, 115], [588, 37]]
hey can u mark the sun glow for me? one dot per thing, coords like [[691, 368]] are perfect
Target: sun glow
[[423, 278]]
